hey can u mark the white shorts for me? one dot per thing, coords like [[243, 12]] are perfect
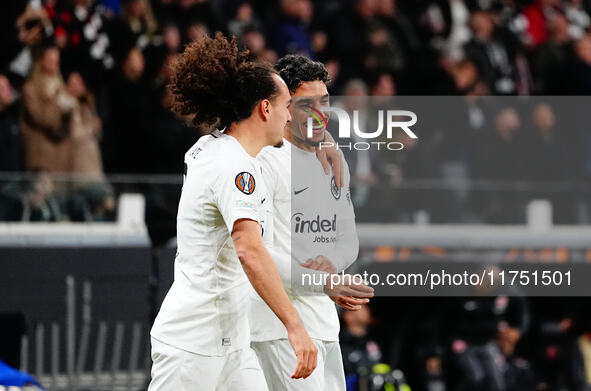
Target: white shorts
[[178, 370], [279, 361]]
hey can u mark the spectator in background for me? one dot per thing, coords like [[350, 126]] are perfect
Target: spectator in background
[[360, 351], [164, 10], [169, 138], [535, 15], [387, 50], [365, 165], [81, 34], [493, 53], [384, 86], [466, 79], [171, 38], [509, 15], [46, 121], [40, 202], [459, 30], [163, 76], [544, 142], [255, 41], [462, 130], [563, 344], [196, 31], [161, 48], [507, 140], [401, 28], [33, 27], [112, 7], [578, 366], [189, 12], [91, 198], [483, 333], [10, 135], [551, 59], [140, 22], [135, 28], [580, 68], [10, 45], [130, 98], [34, 200], [577, 17], [349, 37], [293, 35], [394, 43], [548, 156], [85, 130], [241, 16]]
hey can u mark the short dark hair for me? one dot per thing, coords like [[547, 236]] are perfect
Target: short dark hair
[[296, 69], [219, 84]]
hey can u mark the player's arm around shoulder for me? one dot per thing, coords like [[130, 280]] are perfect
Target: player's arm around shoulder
[[331, 158]]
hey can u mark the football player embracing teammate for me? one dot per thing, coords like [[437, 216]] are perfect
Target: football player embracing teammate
[[201, 337]]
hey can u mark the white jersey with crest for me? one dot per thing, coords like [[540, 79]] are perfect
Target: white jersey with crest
[[206, 309], [311, 217]]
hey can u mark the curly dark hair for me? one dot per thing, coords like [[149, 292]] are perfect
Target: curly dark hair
[[296, 69], [218, 83]]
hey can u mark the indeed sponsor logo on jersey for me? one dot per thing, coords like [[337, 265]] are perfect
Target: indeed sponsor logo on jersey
[[313, 225]]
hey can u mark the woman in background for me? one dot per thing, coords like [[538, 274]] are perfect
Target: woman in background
[[47, 114]]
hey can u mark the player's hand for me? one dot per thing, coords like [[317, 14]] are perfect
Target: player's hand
[[305, 351], [330, 156], [320, 263], [347, 285], [349, 303]]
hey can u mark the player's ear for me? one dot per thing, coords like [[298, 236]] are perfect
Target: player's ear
[[265, 108]]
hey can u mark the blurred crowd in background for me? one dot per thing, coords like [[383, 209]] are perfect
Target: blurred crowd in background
[[83, 90], [494, 343]]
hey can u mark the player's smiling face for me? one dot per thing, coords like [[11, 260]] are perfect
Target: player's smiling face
[[307, 102]]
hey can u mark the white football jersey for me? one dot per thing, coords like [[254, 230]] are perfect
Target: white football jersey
[[206, 309], [309, 212]]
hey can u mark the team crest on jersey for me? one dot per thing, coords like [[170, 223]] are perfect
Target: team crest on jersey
[[334, 189], [245, 182]]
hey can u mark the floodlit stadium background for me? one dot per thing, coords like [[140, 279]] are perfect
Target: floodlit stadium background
[[90, 179]]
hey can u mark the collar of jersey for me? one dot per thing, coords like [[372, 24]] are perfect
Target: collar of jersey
[[221, 134]]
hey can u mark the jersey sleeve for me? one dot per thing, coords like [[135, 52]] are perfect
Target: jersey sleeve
[[237, 191]]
